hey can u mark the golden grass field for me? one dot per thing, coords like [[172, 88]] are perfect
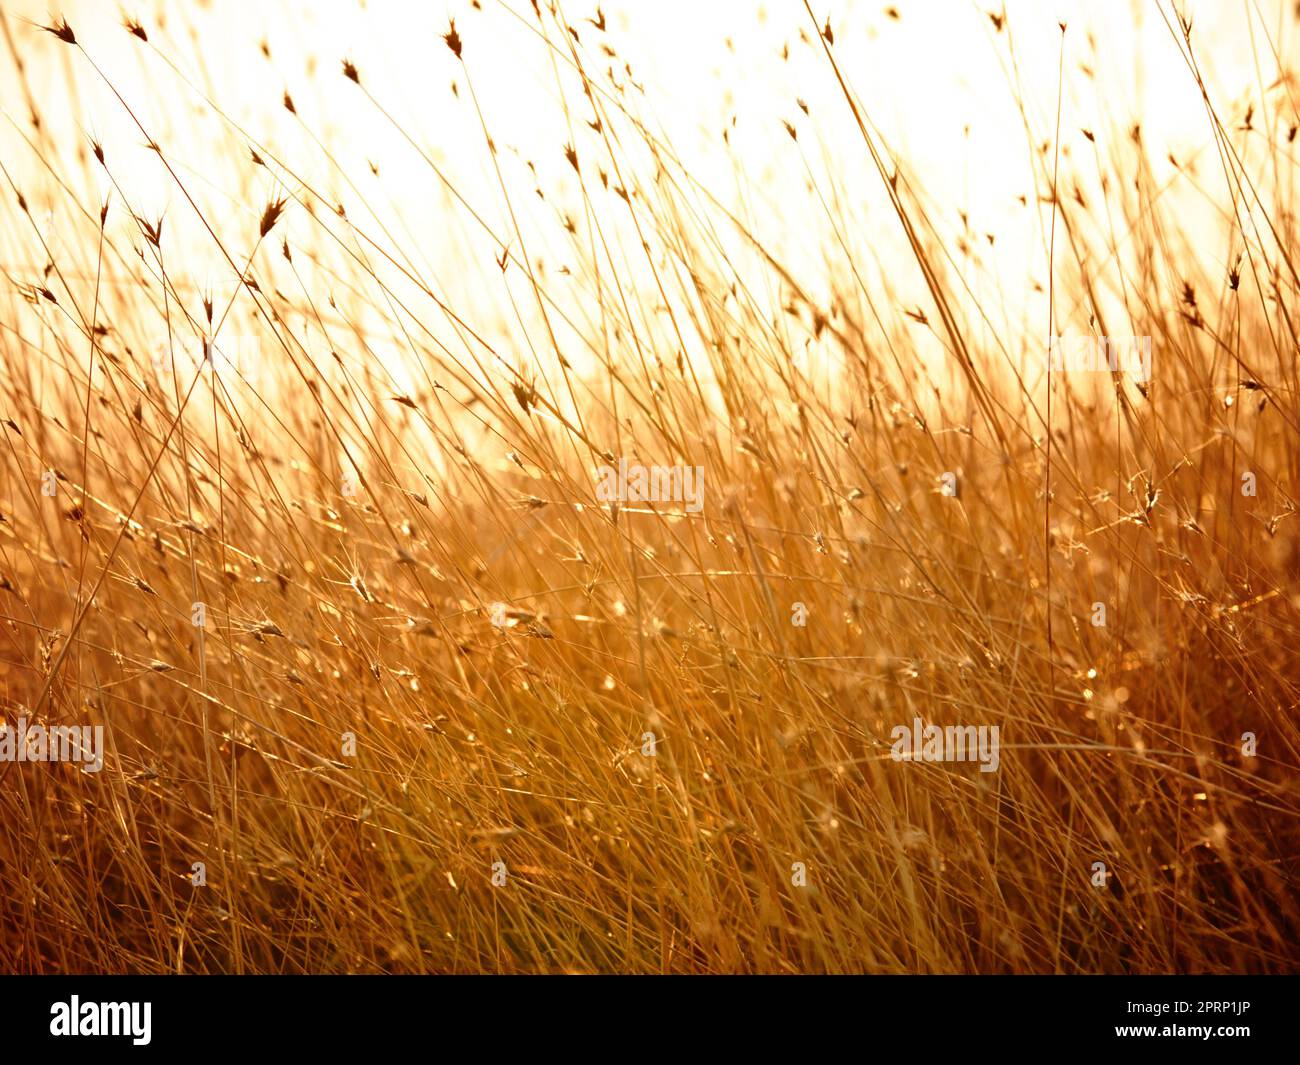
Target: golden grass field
[[448, 710]]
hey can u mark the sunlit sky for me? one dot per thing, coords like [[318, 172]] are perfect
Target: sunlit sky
[[939, 81]]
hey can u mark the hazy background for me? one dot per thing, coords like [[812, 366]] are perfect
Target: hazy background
[[957, 98]]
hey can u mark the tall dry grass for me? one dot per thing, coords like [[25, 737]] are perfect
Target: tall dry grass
[[393, 526]]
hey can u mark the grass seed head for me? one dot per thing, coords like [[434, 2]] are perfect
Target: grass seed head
[[453, 39], [270, 216]]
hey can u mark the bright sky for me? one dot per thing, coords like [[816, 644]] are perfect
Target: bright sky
[[939, 81]]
